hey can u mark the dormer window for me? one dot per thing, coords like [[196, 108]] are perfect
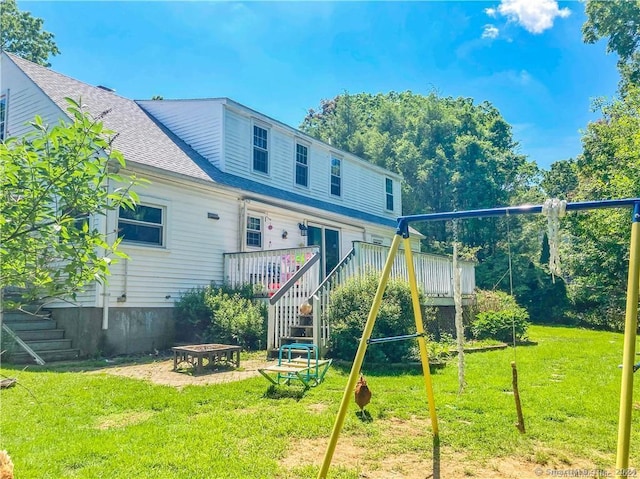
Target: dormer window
[[388, 185], [260, 149], [336, 176], [302, 165]]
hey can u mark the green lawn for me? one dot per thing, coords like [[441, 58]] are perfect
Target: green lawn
[[80, 425]]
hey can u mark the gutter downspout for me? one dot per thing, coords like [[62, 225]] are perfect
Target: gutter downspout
[[105, 285]]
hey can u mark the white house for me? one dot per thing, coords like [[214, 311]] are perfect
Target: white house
[[234, 196]]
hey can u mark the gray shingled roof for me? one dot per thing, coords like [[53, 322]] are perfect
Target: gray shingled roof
[[144, 140]]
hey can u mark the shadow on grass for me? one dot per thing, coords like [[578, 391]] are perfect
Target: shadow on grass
[[284, 392], [436, 457], [364, 416], [389, 369]]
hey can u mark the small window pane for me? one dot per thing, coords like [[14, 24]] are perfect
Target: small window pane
[[147, 214], [140, 234], [259, 137], [260, 160]]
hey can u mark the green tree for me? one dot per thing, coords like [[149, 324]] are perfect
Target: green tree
[[452, 153], [22, 34], [619, 22], [55, 183], [597, 243]]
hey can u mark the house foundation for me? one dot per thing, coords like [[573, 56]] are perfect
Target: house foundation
[[130, 331]]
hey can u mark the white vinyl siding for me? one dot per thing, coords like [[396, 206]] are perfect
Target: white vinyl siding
[[360, 181], [25, 101], [156, 277], [197, 122]]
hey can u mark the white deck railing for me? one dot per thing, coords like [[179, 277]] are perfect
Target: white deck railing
[[269, 271], [276, 274], [434, 275]]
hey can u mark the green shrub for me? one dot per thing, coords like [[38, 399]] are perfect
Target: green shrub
[[348, 311], [222, 314], [498, 315]]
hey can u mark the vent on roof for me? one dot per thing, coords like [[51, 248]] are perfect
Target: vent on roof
[[106, 88]]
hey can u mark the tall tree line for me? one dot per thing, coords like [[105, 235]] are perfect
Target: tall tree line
[[455, 154]]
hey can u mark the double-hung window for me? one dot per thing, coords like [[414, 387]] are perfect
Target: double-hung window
[[260, 149], [142, 225], [254, 232], [388, 186], [336, 176], [302, 165]]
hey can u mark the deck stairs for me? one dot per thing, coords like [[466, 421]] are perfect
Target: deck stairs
[[40, 332]]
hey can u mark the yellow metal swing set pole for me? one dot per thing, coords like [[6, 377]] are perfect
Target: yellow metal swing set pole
[[362, 348], [630, 332]]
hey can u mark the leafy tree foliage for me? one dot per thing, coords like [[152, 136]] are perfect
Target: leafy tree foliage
[[598, 242], [619, 22], [452, 153], [55, 183], [22, 34]]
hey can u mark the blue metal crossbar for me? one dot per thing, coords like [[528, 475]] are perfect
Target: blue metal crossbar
[[403, 221], [395, 338]]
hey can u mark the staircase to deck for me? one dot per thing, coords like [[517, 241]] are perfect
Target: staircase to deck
[[301, 332], [40, 332]]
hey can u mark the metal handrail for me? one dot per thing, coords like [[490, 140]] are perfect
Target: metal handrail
[[342, 262], [291, 281]]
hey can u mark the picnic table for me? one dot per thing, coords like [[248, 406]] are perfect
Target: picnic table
[[196, 353]]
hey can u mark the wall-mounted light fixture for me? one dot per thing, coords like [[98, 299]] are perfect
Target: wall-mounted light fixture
[[303, 229], [284, 234]]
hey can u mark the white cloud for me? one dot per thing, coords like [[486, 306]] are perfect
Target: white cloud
[[490, 11], [535, 16], [490, 31]]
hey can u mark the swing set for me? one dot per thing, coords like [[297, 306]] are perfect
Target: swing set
[[402, 234]]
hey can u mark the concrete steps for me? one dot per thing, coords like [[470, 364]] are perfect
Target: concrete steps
[[40, 333]]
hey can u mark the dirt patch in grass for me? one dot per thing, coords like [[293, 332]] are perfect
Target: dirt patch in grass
[[384, 462], [123, 419], [161, 372]]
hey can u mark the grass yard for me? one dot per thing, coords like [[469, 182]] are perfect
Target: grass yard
[[82, 425]]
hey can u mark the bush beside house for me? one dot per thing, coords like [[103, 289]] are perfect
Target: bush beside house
[[221, 314]]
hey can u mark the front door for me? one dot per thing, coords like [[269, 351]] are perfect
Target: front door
[[329, 241]]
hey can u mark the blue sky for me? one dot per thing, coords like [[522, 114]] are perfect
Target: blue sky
[[524, 56]]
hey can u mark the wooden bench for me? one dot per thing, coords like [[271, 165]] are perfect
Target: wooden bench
[[195, 355], [307, 368]]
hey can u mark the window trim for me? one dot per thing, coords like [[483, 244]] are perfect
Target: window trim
[[256, 124], [296, 164], [260, 231], [164, 208], [331, 176], [389, 195], [4, 97]]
